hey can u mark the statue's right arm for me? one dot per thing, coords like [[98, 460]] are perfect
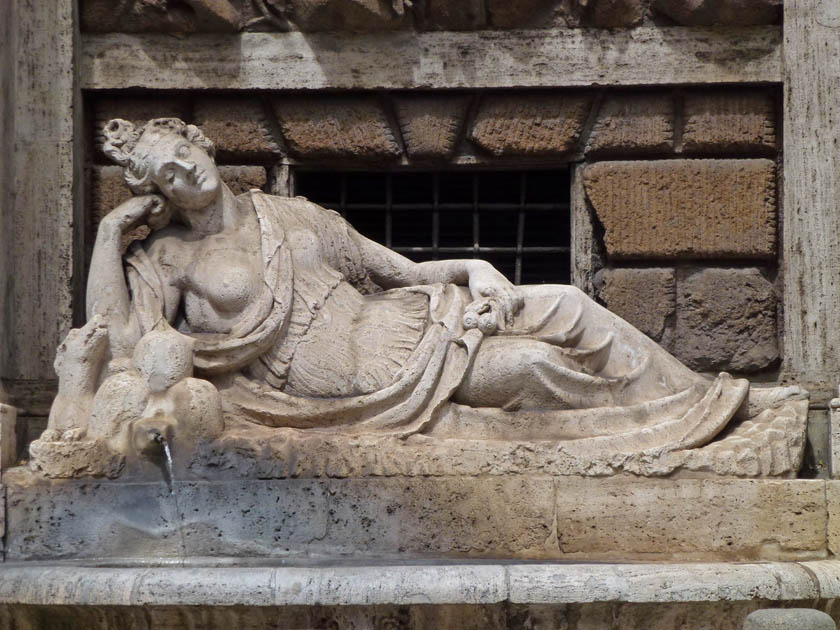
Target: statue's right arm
[[107, 292]]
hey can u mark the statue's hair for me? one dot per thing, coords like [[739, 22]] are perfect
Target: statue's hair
[[122, 138]]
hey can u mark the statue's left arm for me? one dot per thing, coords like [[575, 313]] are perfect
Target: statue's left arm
[[390, 269]]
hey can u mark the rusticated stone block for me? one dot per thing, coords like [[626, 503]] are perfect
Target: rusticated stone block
[[348, 15], [720, 12], [463, 15], [729, 121], [238, 128], [726, 320], [530, 125], [241, 179], [633, 124], [325, 128], [430, 123], [644, 297], [674, 209], [108, 190], [138, 110], [520, 13], [613, 13]]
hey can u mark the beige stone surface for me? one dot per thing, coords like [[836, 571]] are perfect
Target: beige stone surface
[[644, 297], [336, 128], [633, 124], [109, 190], [613, 13], [726, 320], [832, 497], [720, 12], [8, 437], [241, 179], [239, 127], [530, 125], [430, 124], [732, 121], [677, 209], [549, 58], [138, 16], [744, 519]]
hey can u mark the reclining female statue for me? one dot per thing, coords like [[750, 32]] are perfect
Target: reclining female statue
[[299, 321]]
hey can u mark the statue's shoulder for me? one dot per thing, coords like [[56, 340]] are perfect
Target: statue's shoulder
[[299, 205]]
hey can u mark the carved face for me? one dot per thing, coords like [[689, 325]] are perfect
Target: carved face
[[183, 172]]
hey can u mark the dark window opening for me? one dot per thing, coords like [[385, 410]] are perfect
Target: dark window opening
[[520, 221]]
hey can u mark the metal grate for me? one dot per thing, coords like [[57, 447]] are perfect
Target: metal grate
[[517, 220]]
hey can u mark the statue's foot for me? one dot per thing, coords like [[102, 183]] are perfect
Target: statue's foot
[[73, 435]]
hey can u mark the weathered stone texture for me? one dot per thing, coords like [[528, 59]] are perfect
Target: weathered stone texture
[[676, 209], [729, 121], [644, 297], [726, 320], [613, 13], [241, 179], [530, 125], [135, 109], [348, 15], [237, 126], [720, 12], [430, 123], [354, 127], [633, 124], [109, 190], [519, 13], [784, 619], [138, 16], [690, 517], [455, 16]]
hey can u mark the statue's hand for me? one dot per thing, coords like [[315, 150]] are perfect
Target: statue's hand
[[486, 282], [134, 212]]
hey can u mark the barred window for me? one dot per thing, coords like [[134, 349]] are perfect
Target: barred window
[[517, 220]]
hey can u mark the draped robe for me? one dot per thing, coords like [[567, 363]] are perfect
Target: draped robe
[[621, 391]]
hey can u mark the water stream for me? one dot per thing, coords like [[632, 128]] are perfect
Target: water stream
[[170, 469]]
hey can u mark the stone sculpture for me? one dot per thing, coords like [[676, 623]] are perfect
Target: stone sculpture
[[301, 330]]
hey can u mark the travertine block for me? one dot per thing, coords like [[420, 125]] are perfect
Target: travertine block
[[832, 497], [519, 13], [726, 320], [720, 12], [353, 127], [670, 209], [136, 109], [241, 179], [633, 124], [691, 518], [643, 297], [430, 123], [446, 15], [508, 517], [8, 437], [535, 124], [238, 127], [729, 121]]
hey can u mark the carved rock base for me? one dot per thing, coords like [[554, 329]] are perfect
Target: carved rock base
[[70, 459]]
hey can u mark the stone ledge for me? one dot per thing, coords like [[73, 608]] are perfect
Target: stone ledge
[[430, 584]]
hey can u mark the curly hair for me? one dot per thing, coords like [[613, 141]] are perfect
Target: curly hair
[[123, 137]]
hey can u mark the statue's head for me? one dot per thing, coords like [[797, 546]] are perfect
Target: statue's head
[[165, 156]]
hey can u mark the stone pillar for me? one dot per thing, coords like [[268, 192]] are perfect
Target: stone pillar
[[42, 211], [811, 238]]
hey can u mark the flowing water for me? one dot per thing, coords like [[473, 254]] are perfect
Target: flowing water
[[170, 469]]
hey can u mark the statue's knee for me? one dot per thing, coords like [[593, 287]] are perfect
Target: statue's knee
[[120, 399]]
